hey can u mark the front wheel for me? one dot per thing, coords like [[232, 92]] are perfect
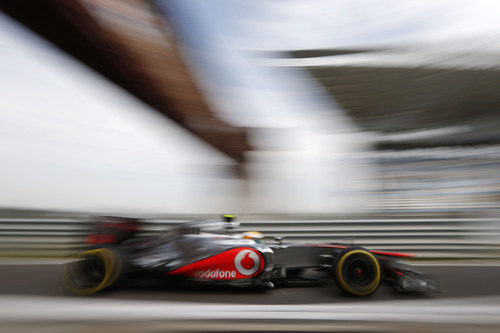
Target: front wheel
[[357, 271], [91, 271]]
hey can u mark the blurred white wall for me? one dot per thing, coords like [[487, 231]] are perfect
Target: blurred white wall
[[70, 139], [309, 156], [323, 175]]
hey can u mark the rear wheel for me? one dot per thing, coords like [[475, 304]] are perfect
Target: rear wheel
[[93, 270], [357, 272]]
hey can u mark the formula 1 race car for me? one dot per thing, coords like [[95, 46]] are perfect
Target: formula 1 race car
[[215, 252]]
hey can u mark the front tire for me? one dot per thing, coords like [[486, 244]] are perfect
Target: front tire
[[357, 271]]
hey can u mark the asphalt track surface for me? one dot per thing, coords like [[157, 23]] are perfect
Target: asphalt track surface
[[455, 281]]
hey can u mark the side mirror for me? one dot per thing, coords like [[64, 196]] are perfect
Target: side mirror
[[279, 240]]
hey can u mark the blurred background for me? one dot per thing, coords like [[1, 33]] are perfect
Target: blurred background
[[180, 109], [322, 121]]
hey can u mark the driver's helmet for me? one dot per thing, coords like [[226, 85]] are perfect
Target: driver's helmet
[[230, 222], [253, 235], [228, 217]]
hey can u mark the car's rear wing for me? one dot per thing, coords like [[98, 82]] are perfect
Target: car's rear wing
[[112, 229]]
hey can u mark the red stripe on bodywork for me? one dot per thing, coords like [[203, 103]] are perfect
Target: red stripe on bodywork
[[381, 253], [394, 254], [221, 266]]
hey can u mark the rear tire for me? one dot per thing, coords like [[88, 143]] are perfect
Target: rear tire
[[357, 271], [93, 270]]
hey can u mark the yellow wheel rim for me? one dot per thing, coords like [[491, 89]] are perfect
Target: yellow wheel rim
[[365, 290], [112, 268]]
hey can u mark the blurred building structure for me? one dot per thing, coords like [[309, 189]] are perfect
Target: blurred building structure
[[132, 44], [81, 114], [433, 115], [428, 114]]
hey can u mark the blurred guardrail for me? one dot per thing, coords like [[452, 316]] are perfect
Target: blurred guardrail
[[59, 234]]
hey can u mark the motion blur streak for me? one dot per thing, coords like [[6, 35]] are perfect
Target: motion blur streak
[[484, 310], [388, 126], [372, 123]]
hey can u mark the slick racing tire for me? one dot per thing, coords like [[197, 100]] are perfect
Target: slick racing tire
[[93, 270], [357, 271]]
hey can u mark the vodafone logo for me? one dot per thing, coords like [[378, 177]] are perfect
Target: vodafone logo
[[247, 262], [215, 274], [233, 264]]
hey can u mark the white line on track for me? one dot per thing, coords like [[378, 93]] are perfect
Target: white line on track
[[32, 262], [479, 310]]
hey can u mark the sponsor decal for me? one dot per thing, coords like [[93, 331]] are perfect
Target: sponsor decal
[[233, 264], [247, 262], [215, 274]]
